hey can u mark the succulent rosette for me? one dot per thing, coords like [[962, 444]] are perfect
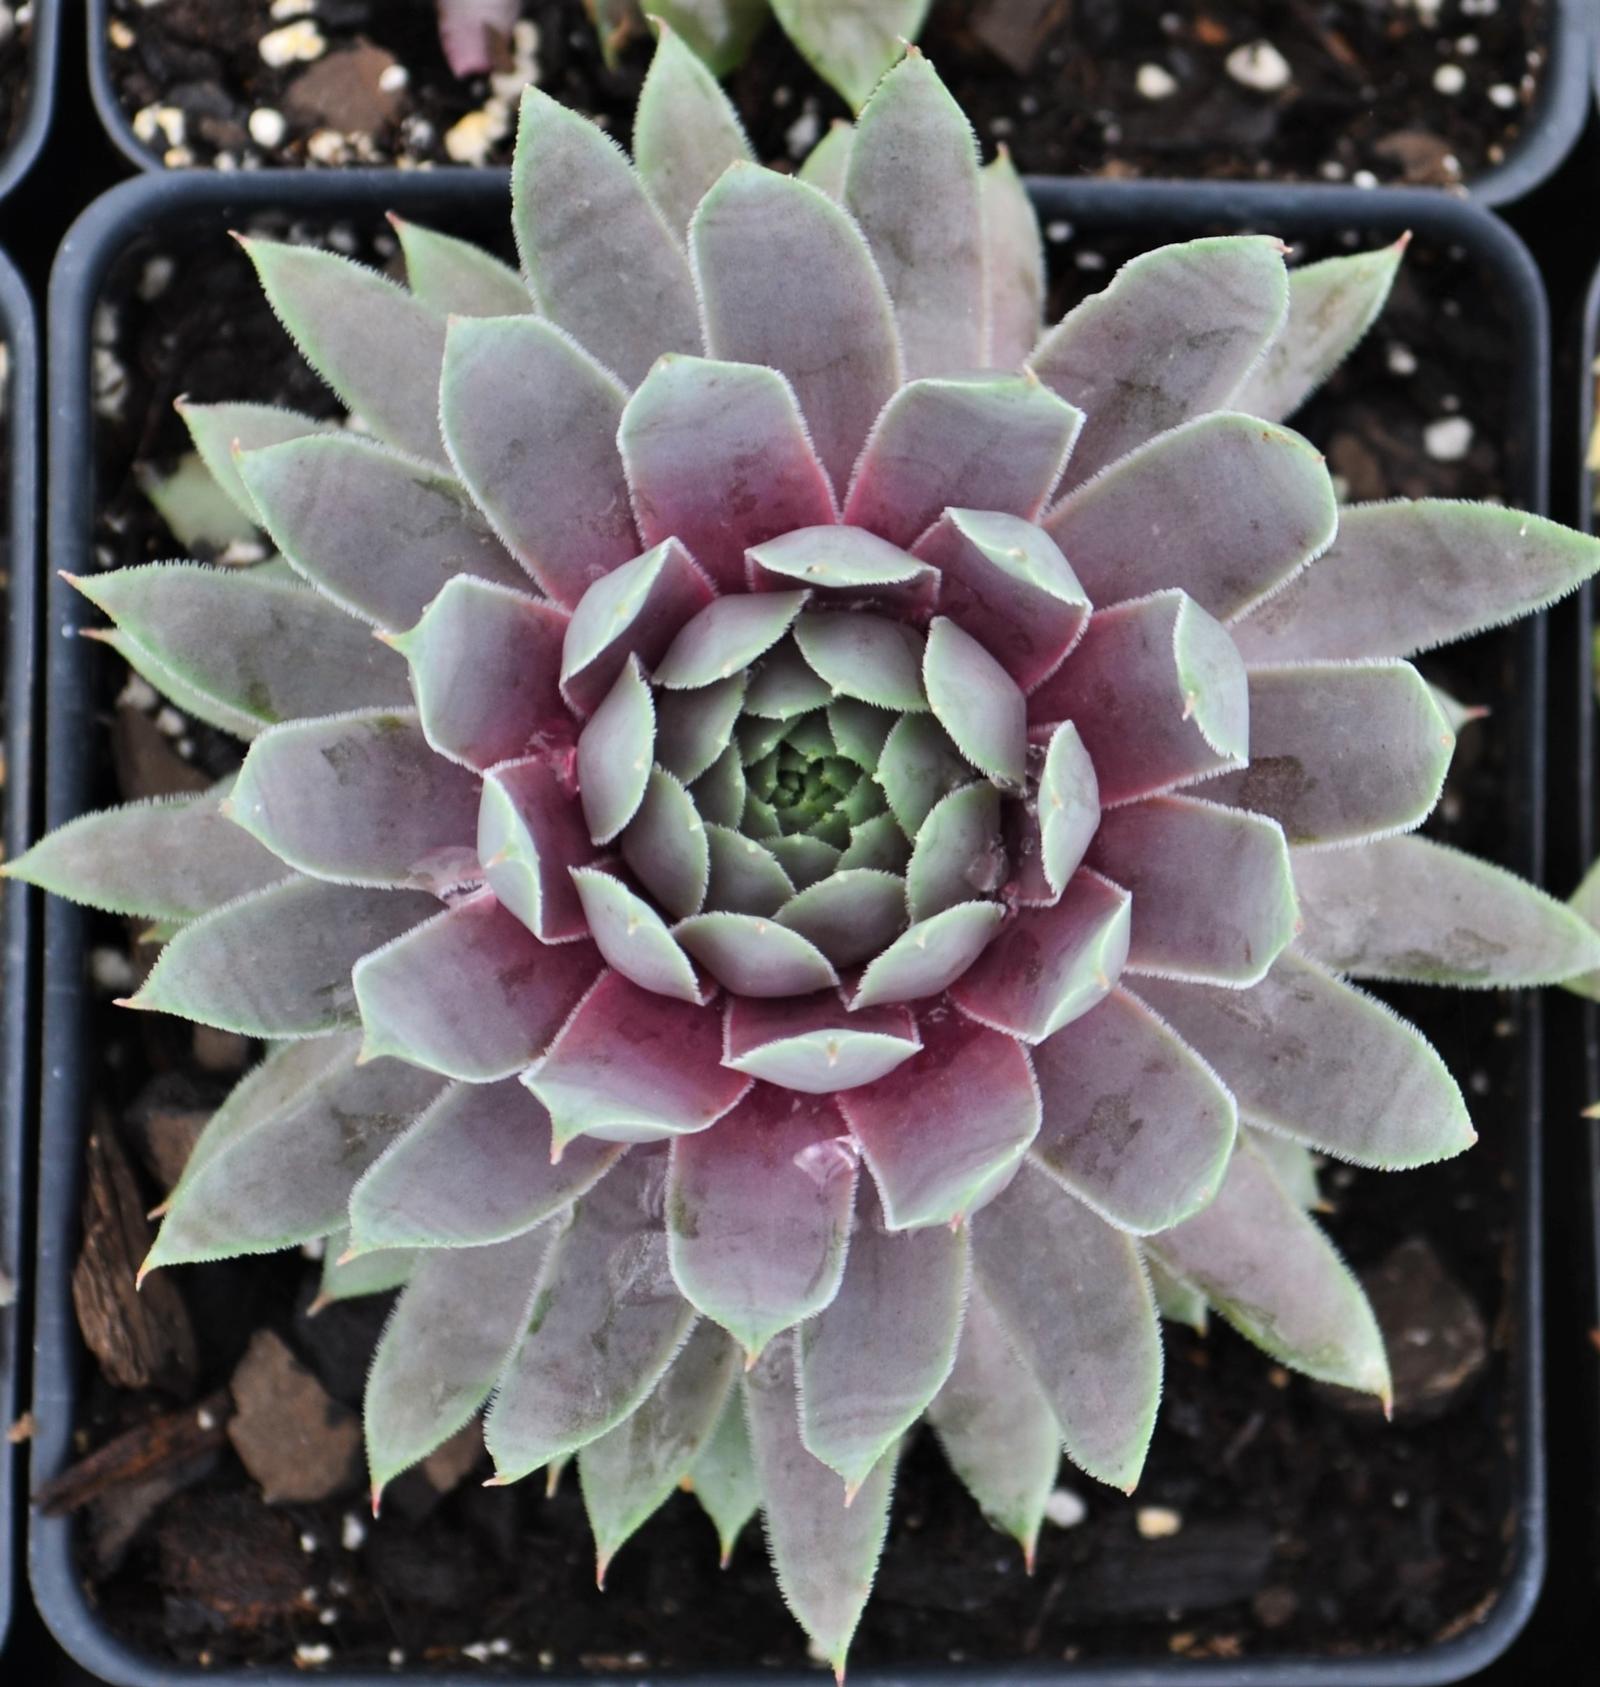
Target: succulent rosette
[[830, 896]]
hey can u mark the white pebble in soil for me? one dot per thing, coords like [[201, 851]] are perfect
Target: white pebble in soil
[[1258, 65], [267, 127], [295, 43], [1155, 82], [1502, 94], [1157, 1522], [1065, 1509], [1447, 440], [1450, 79], [1401, 359]]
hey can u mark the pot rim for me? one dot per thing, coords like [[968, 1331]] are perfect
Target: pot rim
[[100, 234], [45, 52]]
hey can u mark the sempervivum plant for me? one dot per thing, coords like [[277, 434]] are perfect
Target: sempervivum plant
[[829, 896]]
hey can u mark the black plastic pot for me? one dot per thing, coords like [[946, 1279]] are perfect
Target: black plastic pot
[[1553, 126], [44, 51], [20, 455], [178, 206]]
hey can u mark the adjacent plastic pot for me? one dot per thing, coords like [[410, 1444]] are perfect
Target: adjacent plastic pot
[[173, 207], [20, 455], [45, 53], [1588, 779], [1554, 124]]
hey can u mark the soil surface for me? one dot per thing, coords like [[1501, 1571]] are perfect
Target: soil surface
[[1433, 92], [15, 64], [1286, 1521]]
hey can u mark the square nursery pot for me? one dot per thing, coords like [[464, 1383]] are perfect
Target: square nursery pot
[[1544, 139], [1466, 1492], [19, 495], [30, 127]]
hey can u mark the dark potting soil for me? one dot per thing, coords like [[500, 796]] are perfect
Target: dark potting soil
[[1310, 89], [1285, 1520], [15, 33]]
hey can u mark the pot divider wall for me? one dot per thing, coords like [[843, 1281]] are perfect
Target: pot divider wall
[[19, 419], [203, 206], [44, 56]]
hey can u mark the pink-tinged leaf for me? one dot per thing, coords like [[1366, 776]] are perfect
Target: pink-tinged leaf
[[485, 664], [828, 162], [378, 348], [605, 1323], [717, 454], [666, 848], [635, 1066], [1071, 1296], [746, 877], [785, 686], [786, 280], [685, 130], [1270, 1271], [758, 1213], [726, 637], [848, 565], [1158, 694], [207, 708], [1414, 910], [1226, 507], [996, 442], [850, 916], [877, 842], [476, 1168], [805, 859], [599, 257], [874, 1357], [948, 1127], [752, 956], [632, 1470], [1003, 581], [368, 1274], [957, 851], [913, 185], [1068, 807], [812, 1043], [1048, 966], [635, 610], [997, 1429], [530, 835], [824, 1553], [1178, 1303], [1317, 1060], [615, 753], [1332, 304], [531, 425], [978, 703], [865, 656], [1172, 337], [247, 642], [276, 962], [445, 1343], [1136, 1125], [456, 277], [221, 431], [1340, 751], [472, 994], [1293, 1164], [281, 1169], [916, 767], [469, 29], [1213, 896], [378, 533], [724, 1479], [1013, 271], [633, 937], [360, 799], [1405, 577], [170, 858], [930, 956], [693, 727], [720, 793]]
